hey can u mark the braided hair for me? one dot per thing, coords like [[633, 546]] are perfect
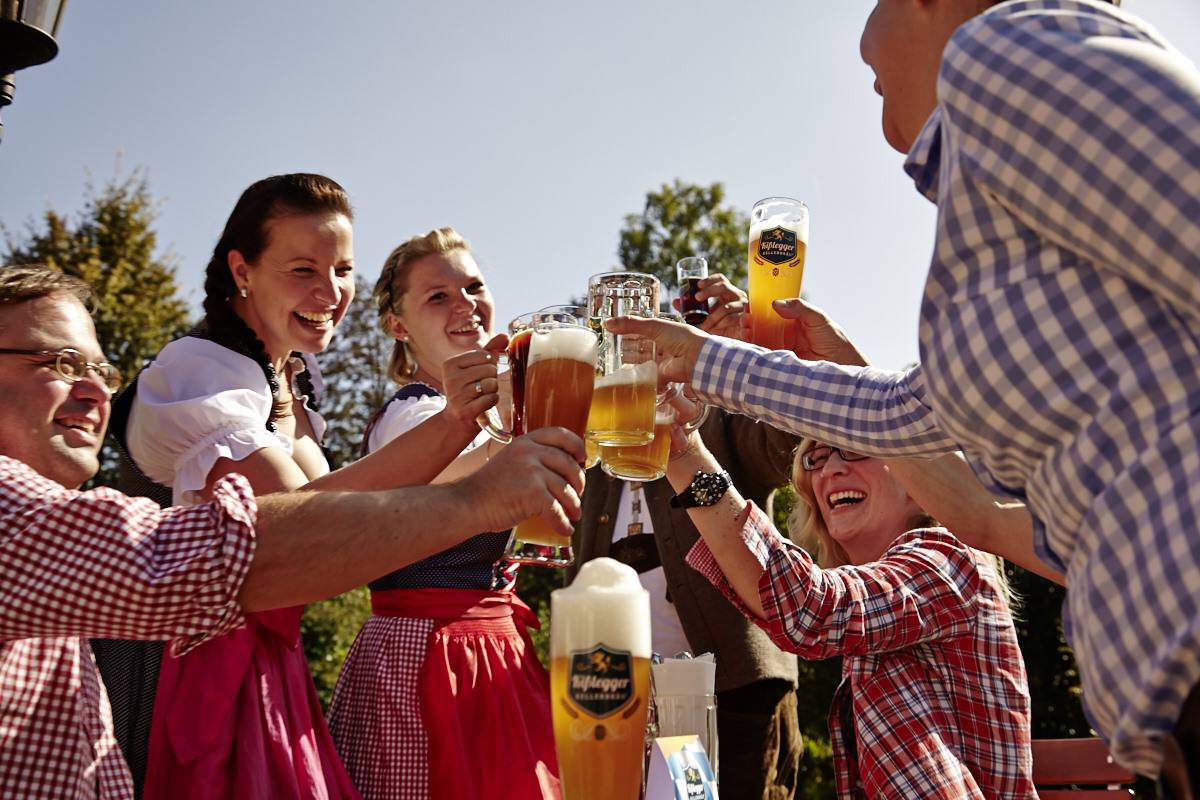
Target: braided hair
[[246, 232], [393, 283]]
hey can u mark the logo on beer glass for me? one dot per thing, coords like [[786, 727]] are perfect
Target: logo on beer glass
[[777, 245], [601, 680]]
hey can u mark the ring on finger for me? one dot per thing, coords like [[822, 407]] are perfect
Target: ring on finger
[[478, 387]]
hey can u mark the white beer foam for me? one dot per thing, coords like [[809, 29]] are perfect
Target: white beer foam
[[646, 372], [605, 604], [781, 221], [576, 344]]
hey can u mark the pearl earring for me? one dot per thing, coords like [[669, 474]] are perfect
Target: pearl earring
[[244, 293]]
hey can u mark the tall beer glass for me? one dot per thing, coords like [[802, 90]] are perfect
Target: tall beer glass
[[600, 681], [775, 263], [623, 406], [559, 378]]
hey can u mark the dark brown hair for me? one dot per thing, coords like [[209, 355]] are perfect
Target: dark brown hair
[[246, 231]]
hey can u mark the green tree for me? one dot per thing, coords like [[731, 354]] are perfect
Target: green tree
[[685, 219], [355, 388], [112, 245], [354, 371]]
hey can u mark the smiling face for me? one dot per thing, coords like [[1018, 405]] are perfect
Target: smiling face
[[446, 309], [54, 426], [902, 42], [863, 506], [299, 288]]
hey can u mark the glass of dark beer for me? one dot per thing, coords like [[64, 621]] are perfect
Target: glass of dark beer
[[690, 271]]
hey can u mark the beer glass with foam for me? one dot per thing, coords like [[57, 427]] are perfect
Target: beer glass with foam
[[600, 681], [775, 264], [578, 313], [560, 372], [648, 462], [623, 405]]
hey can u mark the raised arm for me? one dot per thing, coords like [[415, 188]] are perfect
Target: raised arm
[[313, 545], [921, 590], [103, 564]]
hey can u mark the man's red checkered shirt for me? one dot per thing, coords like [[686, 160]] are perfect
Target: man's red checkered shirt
[[933, 701], [99, 564]]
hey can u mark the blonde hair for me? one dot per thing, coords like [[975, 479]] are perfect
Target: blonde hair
[[393, 283], [807, 529]]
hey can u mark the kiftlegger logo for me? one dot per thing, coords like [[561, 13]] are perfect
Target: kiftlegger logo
[[777, 245], [601, 680]]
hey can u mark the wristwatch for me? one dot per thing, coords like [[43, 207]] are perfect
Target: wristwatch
[[705, 490]]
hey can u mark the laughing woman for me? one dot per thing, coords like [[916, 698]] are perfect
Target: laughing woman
[[933, 701], [442, 695], [238, 717]]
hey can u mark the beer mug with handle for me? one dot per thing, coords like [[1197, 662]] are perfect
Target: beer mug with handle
[[648, 462], [775, 264], [557, 385], [627, 388]]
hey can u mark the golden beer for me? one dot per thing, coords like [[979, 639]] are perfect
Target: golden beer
[[645, 462], [775, 264], [600, 681], [560, 372], [623, 406]]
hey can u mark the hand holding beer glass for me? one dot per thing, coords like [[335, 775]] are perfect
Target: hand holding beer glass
[[552, 364], [775, 264]]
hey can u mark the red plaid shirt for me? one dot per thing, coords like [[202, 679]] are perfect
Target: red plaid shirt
[[933, 701], [80, 564]]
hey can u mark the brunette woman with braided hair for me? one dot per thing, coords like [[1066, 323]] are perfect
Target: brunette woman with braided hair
[[442, 695], [239, 716]]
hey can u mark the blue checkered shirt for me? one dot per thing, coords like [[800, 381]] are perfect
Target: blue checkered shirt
[[1059, 334]]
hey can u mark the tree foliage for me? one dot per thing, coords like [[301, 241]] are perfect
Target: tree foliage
[[685, 219], [112, 245], [353, 368]]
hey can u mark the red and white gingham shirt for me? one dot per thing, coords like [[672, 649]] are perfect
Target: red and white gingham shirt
[[933, 701], [82, 564]]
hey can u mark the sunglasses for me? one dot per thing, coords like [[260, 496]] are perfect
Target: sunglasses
[[71, 366], [815, 457]]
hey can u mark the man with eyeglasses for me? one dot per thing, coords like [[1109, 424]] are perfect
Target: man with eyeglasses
[[75, 565]]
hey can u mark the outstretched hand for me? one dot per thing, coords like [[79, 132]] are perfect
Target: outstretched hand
[[817, 336], [537, 475], [678, 344]]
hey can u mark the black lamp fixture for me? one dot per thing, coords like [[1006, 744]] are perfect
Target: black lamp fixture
[[27, 31]]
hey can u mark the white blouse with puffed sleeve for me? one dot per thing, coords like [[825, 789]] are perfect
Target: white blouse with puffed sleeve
[[198, 402], [401, 416]]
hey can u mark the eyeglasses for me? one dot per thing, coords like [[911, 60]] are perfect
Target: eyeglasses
[[815, 458], [71, 366]]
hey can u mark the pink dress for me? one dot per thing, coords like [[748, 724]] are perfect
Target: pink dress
[[237, 717]]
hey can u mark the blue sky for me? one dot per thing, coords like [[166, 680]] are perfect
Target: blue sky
[[531, 126]]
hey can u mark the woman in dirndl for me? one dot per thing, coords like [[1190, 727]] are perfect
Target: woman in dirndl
[[442, 695]]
